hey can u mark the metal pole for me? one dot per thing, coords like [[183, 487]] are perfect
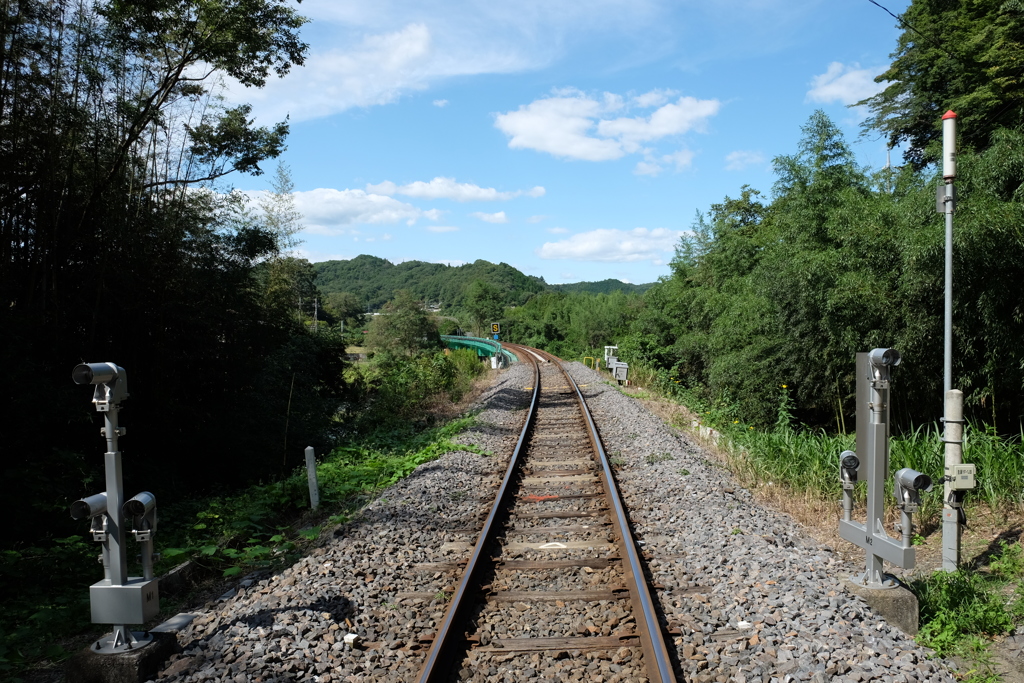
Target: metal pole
[[878, 470], [953, 438], [947, 364], [116, 551], [948, 175], [115, 498], [953, 426]]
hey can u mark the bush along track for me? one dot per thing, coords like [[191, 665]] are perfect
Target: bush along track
[[261, 528], [964, 613], [257, 528]]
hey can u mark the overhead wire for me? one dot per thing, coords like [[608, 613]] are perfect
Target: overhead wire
[[973, 66]]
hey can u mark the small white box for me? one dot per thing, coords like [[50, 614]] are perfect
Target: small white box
[[962, 478]]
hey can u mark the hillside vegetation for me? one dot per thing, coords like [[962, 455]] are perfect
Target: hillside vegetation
[[374, 281]]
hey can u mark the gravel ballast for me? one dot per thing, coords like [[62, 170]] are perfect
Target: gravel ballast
[[754, 597]]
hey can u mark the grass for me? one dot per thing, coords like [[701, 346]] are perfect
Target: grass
[[962, 612], [807, 462], [249, 530], [263, 526]]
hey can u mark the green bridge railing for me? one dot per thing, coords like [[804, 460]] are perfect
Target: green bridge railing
[[485, 348]]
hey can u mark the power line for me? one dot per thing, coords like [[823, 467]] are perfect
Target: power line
[[970, 65], [913, 28]]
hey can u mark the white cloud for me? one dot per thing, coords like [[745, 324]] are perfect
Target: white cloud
[[559, 126], [558, 231], [442, 228], [624, 246], [573, 125], [670, 119], [652, 165], [654, 98], [535, 219], [499, 217], [651, 168], [433, 214], [377, 71], [447, 188], [365, 54], [845, 84], [441, 103], [741, 159], [681, 159], [328, 211]]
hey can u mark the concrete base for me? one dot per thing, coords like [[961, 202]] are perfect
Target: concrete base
[[129, 667], [896, 605]]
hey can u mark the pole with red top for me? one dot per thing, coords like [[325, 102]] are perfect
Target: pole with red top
[[958, 477], [948, 174]]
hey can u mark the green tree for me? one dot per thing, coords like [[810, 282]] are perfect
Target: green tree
[[345, 307], [280, 215], [483, 302], [837, 263], [289, 288], [403, 327], [964, 56], [114, 245]]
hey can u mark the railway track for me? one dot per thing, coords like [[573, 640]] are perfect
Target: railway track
[[555, 572], [752, 597]]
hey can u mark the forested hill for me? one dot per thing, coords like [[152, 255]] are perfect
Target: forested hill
[[603, 287], [374, 281]]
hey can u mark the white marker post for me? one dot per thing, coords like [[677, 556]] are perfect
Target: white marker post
[[314, 485]]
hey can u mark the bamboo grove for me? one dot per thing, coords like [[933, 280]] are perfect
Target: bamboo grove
[[113, 248]]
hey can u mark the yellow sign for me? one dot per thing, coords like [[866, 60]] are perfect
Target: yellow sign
[[495, 328]]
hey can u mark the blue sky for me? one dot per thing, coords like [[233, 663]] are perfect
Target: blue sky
[[573, 140]]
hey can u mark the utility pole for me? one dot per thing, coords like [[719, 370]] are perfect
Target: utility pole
[[888, 170], [949, 201], [958, 477]]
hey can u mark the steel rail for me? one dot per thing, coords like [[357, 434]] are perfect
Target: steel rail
[[656, 657], [439, 658]]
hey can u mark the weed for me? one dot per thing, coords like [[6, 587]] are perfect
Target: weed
[[1008, 565], [961, 610], [918, 539], [441, 596], [957, 607], [457, 496], [655, 458], [617, 460], [737, 531], [685, 472]]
